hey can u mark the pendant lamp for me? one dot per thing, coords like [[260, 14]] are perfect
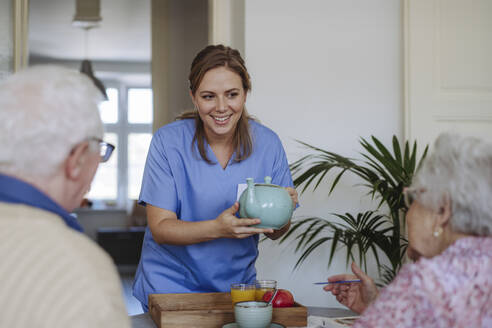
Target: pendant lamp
[[87, 17], [86, 14], [86, 68]]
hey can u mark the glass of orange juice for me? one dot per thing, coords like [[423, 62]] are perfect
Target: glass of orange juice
[[242, 292], [263, 286]]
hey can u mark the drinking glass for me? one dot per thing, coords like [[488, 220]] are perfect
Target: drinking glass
[[263, 286], [242, 292]]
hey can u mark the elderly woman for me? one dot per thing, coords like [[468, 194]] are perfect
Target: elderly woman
[[449, 231]]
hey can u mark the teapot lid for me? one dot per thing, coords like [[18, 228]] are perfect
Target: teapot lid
[[268, 182]]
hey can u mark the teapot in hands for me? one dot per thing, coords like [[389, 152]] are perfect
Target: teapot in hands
[[268, 202]]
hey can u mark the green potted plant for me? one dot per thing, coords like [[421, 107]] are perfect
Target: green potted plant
[[384, 174]]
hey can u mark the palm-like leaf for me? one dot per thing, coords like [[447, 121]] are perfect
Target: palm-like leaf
[[387, 275], [357, 234], [385, 174]]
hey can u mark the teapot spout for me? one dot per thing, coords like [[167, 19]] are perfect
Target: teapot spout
[[251, 208]]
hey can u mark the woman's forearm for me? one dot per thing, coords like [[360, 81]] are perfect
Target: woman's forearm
[[167, 229], [177, 232]]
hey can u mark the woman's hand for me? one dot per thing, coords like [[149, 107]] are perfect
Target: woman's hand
[[293, 195], [167, 229], [231, 227], [355, 296]]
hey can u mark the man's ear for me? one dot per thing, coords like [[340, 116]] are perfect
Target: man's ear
[[74, 164]]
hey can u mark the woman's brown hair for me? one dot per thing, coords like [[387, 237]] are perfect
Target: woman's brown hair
[[211, 57]]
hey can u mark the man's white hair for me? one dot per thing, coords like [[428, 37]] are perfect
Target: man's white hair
[[44, 112], [460, 168]]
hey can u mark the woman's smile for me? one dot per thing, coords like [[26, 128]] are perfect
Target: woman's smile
[[220, 100], [221, 120]]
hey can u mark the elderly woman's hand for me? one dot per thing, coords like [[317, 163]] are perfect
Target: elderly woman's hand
[[355, 296]]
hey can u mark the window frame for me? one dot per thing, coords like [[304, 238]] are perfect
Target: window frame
[[122, 128]]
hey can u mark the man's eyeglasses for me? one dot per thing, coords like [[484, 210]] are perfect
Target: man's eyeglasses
[[106, 149]]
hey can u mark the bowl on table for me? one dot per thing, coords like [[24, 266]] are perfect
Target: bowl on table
[[253, 314]]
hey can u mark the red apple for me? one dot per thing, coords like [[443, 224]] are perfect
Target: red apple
[[283, 298]]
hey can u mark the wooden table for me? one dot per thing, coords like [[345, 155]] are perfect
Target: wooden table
[[145, 321]]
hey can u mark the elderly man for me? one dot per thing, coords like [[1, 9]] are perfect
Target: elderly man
[[51, 275]]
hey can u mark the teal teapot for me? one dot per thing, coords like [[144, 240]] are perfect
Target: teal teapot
[[268, 202]]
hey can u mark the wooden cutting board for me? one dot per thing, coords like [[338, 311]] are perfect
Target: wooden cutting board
[[210, 310]]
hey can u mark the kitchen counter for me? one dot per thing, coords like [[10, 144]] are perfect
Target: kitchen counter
[[145, 321]]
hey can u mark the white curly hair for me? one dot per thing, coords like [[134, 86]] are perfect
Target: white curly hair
[[44, 112], [460, 169]]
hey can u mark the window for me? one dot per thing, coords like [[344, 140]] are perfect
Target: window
[[127, 116]]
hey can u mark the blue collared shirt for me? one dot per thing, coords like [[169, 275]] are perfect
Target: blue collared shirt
[[13, 190]]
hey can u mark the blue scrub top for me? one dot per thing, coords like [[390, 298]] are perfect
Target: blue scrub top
[[177, 179]]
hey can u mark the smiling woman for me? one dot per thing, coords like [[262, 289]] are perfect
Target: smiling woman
[[219, 101], [194, 241], [219, 79]]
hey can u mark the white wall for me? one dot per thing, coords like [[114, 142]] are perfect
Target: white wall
[[325, 72]]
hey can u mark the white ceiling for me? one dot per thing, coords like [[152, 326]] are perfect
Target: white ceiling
[[123, 34]]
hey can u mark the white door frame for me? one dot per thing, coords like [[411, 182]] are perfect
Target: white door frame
[[21, 28]]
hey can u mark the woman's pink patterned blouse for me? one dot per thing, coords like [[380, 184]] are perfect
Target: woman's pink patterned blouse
[[453, 289]]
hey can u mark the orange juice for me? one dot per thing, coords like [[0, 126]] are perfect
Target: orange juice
[[260, 292], [242, 292]]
